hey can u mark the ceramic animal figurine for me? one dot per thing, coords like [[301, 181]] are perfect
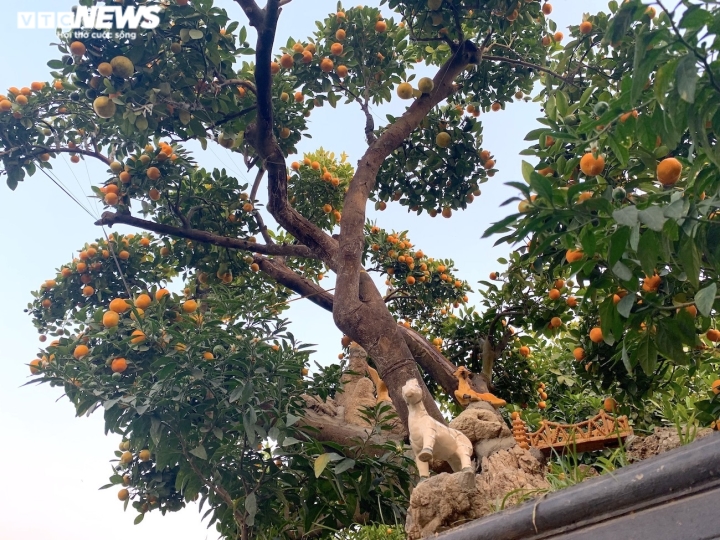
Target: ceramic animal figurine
[[465, 394], [430, 439], [380, 388]]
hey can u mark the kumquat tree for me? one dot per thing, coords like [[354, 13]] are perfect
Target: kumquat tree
[[607, 297]]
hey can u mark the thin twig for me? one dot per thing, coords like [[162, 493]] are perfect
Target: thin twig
[[703, 59], [528, 65]]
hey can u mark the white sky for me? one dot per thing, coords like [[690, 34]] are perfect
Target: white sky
[[53, 462]]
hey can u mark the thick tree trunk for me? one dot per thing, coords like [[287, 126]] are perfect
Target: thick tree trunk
[[358, 307], [379, 334], [419, 349]]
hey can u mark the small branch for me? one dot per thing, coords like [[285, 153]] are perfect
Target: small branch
[[78, 150], [365, 107], [676, 306], [496, 319], [253, 12], [390, 297], [111, 218], [256, 184], [527, 65], [239, 82], [235, 115], [256, 213], [295, 282], [692, 49], [484, 46], [458, 22], [369, 122], [217, 488]]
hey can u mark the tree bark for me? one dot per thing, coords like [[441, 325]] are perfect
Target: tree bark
[[419, 349], [358, 307]]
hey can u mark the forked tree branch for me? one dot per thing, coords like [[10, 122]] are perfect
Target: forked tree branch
[[284, 250], [261, 137], [253, 12], [362, 184], [428, 358]]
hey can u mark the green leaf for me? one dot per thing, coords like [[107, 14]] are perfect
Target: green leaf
[[251, 504], [690, 261], [291, 419], [649, 249], [669, 340], [705, 298], [289, 441], [624, 306], [155, 430], [619, 24], [626, 216], [138, 519], [686, 76], [622, 153], [647, 354], [664, 76], [695, 18], [541, 185], [15, 175], [635, 236], [676, 209], [618, 243], [199, 452], [652, 217], [685, 324], [638, 82], [587, 240], [320, 463], [622, 271], [196, 34], [611, 323], [236, 393], [527, 171], [561, 103], [626, 359], [344, 465], [499, 226]]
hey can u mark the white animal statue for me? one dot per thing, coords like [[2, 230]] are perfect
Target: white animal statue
[[430, 439]]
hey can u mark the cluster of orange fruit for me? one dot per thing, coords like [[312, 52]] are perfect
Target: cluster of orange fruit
[[111, 318], [487, 161], [163, 152], [668, 170], [88, 261], [19, 96], [305, 53], [325, 176]]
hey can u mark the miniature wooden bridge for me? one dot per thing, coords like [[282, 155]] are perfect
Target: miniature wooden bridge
[[600, 431]]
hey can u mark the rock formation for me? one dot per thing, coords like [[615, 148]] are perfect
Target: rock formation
[[662, 439], [446, 500]]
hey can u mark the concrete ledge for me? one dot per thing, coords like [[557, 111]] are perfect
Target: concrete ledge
[[673, 496]]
